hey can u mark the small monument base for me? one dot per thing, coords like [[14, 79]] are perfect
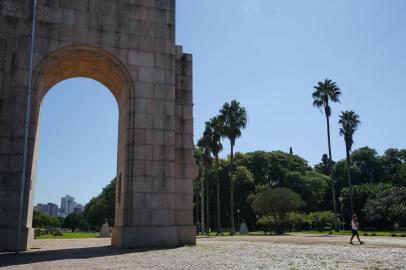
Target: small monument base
[[105, 231], [243, 228]]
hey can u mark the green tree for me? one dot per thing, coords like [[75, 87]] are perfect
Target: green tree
[[326, 92], [41, 220], [311, 186], [204, 144], [391, 160], [271, 168], [388, 207], [214, 128], [323, 166], [277, 203], [102, 207], [361, 193], [320, 220], [349, 122], [74, 221], [234, 119], [400, 177], [366, 160]]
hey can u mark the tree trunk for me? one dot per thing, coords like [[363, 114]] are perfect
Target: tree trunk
[[202, 202], [232, 223], [330, 166], [207, 206], [349, 180], [218, 196]]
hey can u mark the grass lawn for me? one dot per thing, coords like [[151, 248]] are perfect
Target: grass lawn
[[346, 232], [69, 235]]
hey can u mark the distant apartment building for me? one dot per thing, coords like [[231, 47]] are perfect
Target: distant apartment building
[[69, 206], [49, 209], [78, 209]]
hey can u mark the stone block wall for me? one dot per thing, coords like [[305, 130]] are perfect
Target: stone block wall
[[129, 46]]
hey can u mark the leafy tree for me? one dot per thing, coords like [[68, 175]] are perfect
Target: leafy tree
[[326, 92], [311, 186], [102, 207], [370, 167], [361, 193], [277, 203], [41, 220], [391, 160], [323, 166], [349, 122], [400, 176], [234, 119], [320, 220], [244, 187], [74, 221], [271, 168], [388, 207]]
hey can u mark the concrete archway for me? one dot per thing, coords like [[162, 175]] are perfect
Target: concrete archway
[[150, 78]]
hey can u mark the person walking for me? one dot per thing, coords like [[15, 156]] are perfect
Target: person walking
[[354, 229]]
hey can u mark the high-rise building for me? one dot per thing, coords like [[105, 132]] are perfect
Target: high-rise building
[[78, 209], [49, 209], [68, 205]]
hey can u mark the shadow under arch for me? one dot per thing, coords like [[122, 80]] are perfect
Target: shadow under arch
[[99, 65]]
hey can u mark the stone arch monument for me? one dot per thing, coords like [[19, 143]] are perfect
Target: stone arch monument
[[129, 46]]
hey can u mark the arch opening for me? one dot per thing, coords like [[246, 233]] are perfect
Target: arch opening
[[77, 145], [92, 63]]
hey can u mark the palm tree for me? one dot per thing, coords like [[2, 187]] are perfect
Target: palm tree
[[326, 92], [198, 155], [234, 119], [204, 143], [349, 122], [214, 127]]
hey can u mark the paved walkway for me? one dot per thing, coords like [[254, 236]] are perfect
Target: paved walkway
[[240, 252]]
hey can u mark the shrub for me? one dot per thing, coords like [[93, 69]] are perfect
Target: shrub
[[322, 220], [276, 204], [57, 233]]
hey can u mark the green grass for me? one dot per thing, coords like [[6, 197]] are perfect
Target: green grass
[[69, 235], [346, 232], [361, 233]]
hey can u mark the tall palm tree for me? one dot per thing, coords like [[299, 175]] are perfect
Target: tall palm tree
[[349, 122], [234, 119], [198, 155], [326, 92], [214, 127], [204, 144]]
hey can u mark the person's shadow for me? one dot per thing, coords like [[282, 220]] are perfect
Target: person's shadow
[[11, 259]]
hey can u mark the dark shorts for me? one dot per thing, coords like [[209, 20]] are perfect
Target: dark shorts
[[354, 232]]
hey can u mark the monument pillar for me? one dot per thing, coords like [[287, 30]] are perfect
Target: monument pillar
[[129, 46]]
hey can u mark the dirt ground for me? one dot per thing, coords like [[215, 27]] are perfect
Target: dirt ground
[[239, 252]]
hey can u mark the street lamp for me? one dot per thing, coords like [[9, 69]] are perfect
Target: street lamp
[[341, 199], [238, 219]]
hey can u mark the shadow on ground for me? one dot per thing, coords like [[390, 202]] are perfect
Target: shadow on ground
[[11, 259]]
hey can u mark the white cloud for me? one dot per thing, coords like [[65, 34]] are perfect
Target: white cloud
[[250, 7]]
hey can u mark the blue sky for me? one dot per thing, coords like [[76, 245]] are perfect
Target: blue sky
[[267, 54]]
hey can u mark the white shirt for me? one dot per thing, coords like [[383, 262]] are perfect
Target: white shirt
[[354, 225]]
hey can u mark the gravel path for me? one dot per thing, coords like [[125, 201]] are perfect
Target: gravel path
[[262, 252]]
